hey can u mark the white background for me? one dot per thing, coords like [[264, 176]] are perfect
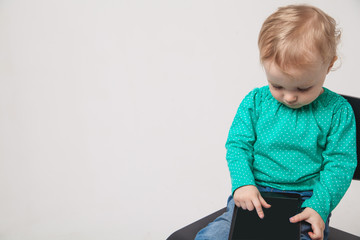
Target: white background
[[114, 114]]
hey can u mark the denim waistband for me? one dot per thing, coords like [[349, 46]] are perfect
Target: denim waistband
[[304, 194]]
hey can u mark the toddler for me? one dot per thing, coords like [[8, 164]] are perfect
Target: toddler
[[293, 135]]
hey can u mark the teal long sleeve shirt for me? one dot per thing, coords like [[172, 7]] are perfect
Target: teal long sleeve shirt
[[310, 148]]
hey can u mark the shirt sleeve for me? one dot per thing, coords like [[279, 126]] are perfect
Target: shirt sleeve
[[240, 142], [339, 163]]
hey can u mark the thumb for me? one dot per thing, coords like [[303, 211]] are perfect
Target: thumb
[[299, 217]]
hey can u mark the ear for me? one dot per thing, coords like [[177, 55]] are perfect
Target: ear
[[332, 63]]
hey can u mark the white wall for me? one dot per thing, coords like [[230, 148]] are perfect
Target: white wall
[[114, 114]]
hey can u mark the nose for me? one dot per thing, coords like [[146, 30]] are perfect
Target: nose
[[290, 98]]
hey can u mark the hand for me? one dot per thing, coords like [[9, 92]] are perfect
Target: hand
[[317, 224], [248, 197]]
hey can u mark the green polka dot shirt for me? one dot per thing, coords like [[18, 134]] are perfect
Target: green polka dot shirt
[[310, 148]]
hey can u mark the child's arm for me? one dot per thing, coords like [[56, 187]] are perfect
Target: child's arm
[[248, 197], [339, 163], [239, 155], [240, 142]]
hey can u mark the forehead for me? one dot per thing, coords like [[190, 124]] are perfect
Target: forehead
[[298, 76]]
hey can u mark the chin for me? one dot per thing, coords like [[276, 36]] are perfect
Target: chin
[[295, 106]]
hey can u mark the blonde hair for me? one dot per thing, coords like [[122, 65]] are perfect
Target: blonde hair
[[295, 35]]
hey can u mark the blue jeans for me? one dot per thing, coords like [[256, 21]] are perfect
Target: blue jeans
[[219, 229]]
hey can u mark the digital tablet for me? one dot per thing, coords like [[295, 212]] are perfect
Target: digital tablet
[[246, 225]]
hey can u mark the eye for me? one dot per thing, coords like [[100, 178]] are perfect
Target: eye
[[304, 89], [277, 87]]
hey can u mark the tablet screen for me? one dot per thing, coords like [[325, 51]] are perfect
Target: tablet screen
[[246, 225]]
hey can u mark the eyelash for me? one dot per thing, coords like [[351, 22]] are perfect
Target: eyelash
[[304, 90], [299, 89]]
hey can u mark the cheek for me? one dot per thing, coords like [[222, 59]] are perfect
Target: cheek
[[276, 94], [308, 98]]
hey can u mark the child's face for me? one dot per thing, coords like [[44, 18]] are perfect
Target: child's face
[[299, 87]]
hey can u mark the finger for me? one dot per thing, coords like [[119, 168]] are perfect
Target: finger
[[243, 205], [314, 236], [317, 233], [264, 203], [237, 203], [299, 217], [258, 208], [249, 206]]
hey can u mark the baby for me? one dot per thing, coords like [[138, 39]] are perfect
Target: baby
[[293, 135]]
